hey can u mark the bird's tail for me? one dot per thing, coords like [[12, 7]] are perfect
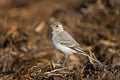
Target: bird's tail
[[82, 52], [85, 54]]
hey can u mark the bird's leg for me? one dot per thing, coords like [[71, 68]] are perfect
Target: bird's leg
[[65, 60]]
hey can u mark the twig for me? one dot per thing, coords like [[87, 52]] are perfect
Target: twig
[[91, 61], [55, 70]]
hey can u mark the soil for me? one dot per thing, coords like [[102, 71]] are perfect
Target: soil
[[25, 49]]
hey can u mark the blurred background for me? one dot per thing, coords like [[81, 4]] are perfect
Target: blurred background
[[25, 35]]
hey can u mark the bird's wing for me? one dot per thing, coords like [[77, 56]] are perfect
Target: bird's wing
[[66, 39]]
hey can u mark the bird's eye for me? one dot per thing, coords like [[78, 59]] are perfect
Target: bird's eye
[[57, 26]]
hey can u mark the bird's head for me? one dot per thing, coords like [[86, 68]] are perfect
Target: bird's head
[[57, 26]]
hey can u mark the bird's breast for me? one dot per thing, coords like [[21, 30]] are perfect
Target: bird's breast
[[61, 47]]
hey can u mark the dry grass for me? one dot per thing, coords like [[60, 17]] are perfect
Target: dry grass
[[25, 51]]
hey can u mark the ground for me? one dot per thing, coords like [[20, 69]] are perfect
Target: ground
[[25, 49]]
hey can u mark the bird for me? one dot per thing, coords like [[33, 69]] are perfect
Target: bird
[[65, 43]]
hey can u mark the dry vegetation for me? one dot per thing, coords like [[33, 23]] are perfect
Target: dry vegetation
[[25, 51]]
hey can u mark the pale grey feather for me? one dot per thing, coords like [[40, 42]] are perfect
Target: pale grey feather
[[67, 40]]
